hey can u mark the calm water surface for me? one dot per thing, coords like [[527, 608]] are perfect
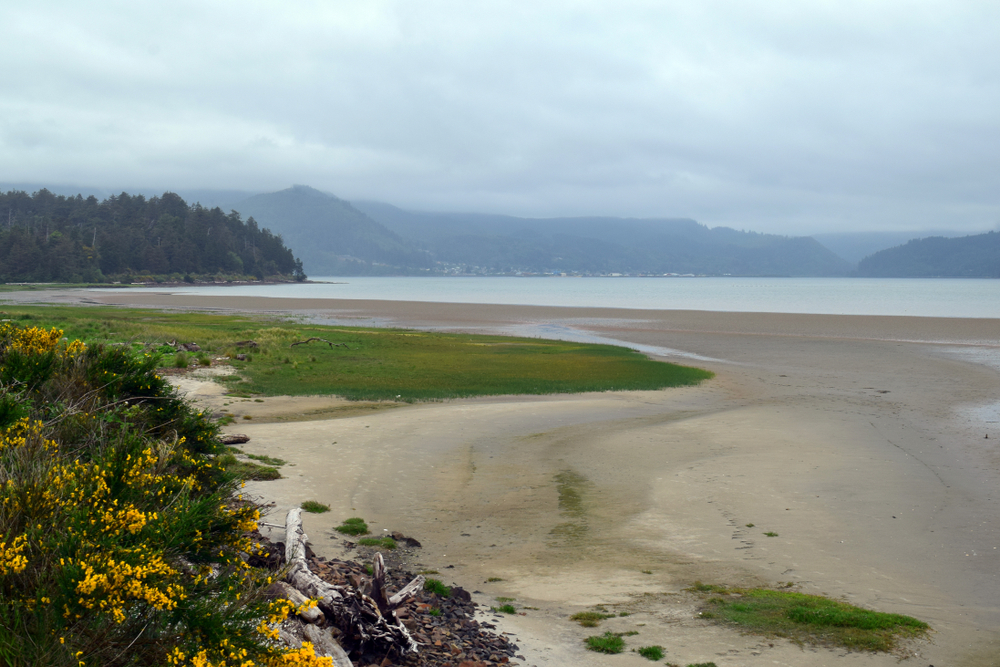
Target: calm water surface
[[848, 296]]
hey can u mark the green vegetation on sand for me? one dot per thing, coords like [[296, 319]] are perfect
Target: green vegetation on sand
[[810, 618], [609, 642], [353, 526], [371, 364]]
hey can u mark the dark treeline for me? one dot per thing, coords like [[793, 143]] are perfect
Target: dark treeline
[[52, 238]]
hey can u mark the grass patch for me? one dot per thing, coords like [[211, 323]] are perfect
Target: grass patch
[[267, 460], [504, 609], [437, 587], [811, 619], [377, 364], [315, 507], [434, 611], [246, 469], [700, 587], [490, 580], [503, 599], [384, 542], [651, 652], [609, 642], [353, 526], [590, 619], [771, 533]]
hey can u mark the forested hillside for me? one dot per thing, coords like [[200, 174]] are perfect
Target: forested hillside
[[602, 245], [975, 256], [46, 237], [332, 237]]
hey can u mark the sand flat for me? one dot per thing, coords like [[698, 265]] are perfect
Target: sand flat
[[859, 440]]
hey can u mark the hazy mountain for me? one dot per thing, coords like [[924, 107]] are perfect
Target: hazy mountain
[[330, 236], [976, 256], [855, 246], [499, 243]]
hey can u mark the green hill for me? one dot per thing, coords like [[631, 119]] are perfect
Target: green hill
[[331, 236], [976, 256], [47, 237]]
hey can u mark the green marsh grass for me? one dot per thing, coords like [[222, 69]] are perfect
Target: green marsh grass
[[813, 619], [378, 364]]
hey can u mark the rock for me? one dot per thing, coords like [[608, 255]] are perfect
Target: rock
[[234, 439]]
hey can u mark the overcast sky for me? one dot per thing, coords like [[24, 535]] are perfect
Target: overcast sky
[[789, 117]]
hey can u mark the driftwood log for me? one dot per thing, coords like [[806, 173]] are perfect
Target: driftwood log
[[365, 620], [322, 340]]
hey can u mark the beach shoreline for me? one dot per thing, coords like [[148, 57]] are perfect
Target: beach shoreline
[[858, 439]]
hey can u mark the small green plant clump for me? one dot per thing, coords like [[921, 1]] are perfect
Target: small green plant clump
[[246, 470], [437, 587], [812, 618], [504, 609], [651, 652], [771, 533], [590, 619], [434, 611], [493, 579], [609, 642], [353, 526], [267, 460], [384, 542], [701, 587], [315, 507]]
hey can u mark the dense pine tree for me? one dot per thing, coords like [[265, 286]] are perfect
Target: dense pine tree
[[45, 237]]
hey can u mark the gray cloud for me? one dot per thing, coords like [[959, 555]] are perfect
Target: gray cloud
[[780, 116]]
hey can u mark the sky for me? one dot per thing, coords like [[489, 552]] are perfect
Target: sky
[[785, 117]]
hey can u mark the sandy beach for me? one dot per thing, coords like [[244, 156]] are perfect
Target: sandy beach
[[861, 441]]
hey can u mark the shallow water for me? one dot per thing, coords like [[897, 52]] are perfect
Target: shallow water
[[847, 296]]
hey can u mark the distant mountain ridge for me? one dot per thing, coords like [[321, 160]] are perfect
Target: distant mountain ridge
[[601, 245], [976, 256]]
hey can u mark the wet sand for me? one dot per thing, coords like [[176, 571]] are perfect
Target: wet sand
[[859, 440]]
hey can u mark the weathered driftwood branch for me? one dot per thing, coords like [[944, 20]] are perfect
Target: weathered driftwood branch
[[363, 619], [322, 340]]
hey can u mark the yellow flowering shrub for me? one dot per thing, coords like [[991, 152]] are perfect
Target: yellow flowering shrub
[[122, 540]]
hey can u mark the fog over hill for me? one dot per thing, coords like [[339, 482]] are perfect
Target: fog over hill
[[333, 237]]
